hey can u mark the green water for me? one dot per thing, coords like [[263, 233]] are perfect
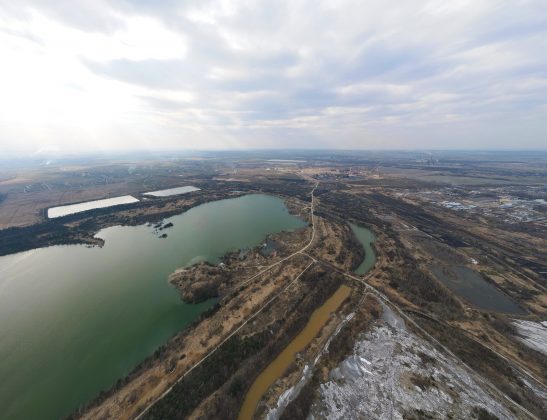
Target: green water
[[74, 319], [366, 237]]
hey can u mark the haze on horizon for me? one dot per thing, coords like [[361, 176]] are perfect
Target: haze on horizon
[[93, 75]]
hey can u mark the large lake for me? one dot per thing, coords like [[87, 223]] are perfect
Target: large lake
[[74, 319]]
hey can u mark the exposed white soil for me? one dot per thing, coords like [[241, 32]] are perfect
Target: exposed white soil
[[290, 394], [172, 191], [533, 334], [60, 211], [393, 372]]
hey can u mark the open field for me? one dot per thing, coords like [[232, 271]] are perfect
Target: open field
[[425, 250]]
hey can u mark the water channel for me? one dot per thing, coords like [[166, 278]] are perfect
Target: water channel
[[317, 320]]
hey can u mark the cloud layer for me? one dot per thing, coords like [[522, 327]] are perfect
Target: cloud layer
[[87, 75]]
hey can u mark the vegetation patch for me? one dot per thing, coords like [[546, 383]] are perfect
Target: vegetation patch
[[232, 369], [340, 347], [486, 363]]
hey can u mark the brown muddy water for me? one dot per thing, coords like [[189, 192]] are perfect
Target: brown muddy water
[[279, 366]]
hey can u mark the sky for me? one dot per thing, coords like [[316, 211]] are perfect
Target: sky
[[93, 75]]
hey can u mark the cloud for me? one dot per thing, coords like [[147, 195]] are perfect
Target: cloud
[[345, 73], [85, 15]]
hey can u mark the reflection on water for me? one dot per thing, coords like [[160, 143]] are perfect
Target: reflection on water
[[472, 287], [75, 319], [366, 237]]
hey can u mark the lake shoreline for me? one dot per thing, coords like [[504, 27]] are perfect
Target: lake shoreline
[[205, 280], [82, 228], [250, 221], [232, 260], [259, 402]]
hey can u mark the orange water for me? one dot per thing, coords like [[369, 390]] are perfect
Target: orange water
[[277, 368]]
